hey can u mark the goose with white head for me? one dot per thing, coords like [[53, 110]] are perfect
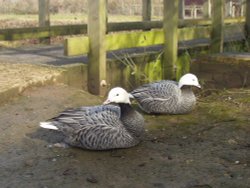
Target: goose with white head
[[115, 124], [167, 96]]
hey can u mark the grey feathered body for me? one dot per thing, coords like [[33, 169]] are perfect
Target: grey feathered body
[[101, 127], [165, 97]]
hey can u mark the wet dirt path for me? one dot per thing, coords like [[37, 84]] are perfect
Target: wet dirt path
[[208, 148]]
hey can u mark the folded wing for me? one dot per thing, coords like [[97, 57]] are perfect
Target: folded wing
[[96, 127], [157, 97]]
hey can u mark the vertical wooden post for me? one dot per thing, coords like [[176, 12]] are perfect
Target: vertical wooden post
[[97, 55], [170, 28], [181, 9], [146, 10], [243, 9], [247, 26], [209, 8], [217, 32], [44, 18]]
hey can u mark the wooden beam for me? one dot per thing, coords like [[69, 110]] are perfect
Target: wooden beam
[[146, 10], [60, 30], [181, 9], [209, 8], [97, 54], [76, 46], [128, 26], [134, 39], [41, 32], [44, 18], [217, 30], [24, 33], [147, 25], [80, 45], [247, 26], [170, 28]]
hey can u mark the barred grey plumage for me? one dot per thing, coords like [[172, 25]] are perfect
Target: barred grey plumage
[[166, 96], [99, 127]]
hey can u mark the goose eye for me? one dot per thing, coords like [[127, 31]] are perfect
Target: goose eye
[[117, 94]]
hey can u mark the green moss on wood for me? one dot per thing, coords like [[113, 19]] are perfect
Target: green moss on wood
[[116, 41], [153, 70], [134, 39], [183, 65], [76, 46]]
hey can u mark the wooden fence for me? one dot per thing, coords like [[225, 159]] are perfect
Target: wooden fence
[[101, 37]]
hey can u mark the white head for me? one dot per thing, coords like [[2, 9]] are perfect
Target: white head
[[118, 95], [189, 80]]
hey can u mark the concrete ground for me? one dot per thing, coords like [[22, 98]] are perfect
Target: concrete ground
[[24, 67], [47, 55]]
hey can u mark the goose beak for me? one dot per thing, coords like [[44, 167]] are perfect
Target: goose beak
[[199, 86], [107, 101], [130, 96]]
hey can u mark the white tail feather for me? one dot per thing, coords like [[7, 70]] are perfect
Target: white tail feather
[[48, 125]]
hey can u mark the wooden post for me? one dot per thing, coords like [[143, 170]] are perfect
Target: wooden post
[[247, 26], [181, 9], [243, 9], [97, 55], [44, 18], [170, 27], [146, 10], [209, 8], [217, 32]]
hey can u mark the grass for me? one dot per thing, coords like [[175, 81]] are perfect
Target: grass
[[24, 20]]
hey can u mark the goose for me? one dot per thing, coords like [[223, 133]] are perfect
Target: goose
[[114, 124], [167, 96]]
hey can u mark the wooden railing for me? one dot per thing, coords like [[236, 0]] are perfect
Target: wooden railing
[[75, 46], [64, 30]]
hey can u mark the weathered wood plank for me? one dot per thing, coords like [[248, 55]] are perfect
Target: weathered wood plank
[[97, 50], [76, 46], [140, 25], [217, 30], [205, 22], [170, 28], [44, 18], [40, 32], [60, 30], [135, 39], [24, 33], [247, 26], [190, 33], [181, 9], [80, 45], [207, 9], [146, 25], [146, 10]]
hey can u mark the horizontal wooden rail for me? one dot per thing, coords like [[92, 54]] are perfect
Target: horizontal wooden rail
[[41, 32], [52, 31], [127, 26], [76, 45], [203, 22], [80, 45]]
